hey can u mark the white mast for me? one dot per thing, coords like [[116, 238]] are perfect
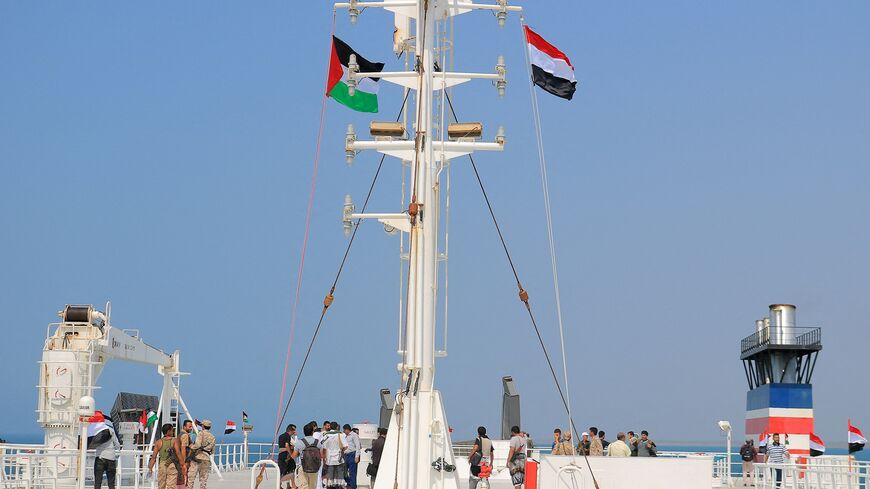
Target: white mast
[[418, 453]]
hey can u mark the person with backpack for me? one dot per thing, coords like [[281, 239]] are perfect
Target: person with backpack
[[309, 448], [516, 459], [172, 471], [748, 452], [481, 454]]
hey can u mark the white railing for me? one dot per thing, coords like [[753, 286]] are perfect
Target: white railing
[[720, 463], [37, 467], [826, 473]]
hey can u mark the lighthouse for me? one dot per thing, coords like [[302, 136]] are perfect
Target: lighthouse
[[779, 360]]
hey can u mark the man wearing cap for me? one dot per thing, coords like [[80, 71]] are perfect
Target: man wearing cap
[[200, 463], [583, 444]]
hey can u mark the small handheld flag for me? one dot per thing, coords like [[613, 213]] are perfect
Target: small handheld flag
[[231, 426], [365, 97], [147, 419], [817, 446], [551, 68], [856, 439]]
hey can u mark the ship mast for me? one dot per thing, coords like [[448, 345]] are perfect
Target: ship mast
[[418, 452]]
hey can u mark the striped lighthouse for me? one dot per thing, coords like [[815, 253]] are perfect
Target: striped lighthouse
[[779, 360]]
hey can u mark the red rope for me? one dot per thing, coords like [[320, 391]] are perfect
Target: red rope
[[303, 251]]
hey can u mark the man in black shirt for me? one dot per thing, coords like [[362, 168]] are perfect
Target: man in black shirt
[[285, 462], [377, 449]]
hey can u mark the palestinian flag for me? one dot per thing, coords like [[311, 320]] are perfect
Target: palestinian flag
[[856, 439], [365, 97], [817, 446], [231, 426], [147, 419], [762, 442], [244, 418], [551, 69], [198, 423]]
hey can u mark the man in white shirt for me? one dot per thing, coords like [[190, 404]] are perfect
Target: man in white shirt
[[619, 448], [332, 449], [351, 455]]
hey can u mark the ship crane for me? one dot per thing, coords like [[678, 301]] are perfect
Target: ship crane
[[75, 352]]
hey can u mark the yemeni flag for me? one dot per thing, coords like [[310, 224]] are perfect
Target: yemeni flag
[[365, 97], [817, 446], [856, 439], [96, 423], [231, 426], [551, 68]]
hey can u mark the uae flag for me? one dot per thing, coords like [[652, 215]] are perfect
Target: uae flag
[[856, 439], [817, 446], [365, 97], [551, 69], [231, 426]]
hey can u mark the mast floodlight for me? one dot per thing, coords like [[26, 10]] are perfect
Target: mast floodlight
[[346, 220], [499, 136], [501, 82], [501, 14], [349, 140], [352, 70], [353, 12]]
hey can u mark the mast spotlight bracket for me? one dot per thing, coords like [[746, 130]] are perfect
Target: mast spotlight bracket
[[501, 81], [353, 11], [501, 13], [352, 70]]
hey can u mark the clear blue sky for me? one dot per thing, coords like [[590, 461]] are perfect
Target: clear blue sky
[[714, 161]]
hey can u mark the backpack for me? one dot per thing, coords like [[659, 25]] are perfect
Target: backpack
[[310, 458], [746, 454]]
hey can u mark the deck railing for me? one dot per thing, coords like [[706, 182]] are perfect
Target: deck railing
[[38, 467], [826, 473], [784, 336]]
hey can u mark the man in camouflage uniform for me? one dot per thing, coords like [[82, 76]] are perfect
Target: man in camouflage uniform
[[185, 440], [200, 463]]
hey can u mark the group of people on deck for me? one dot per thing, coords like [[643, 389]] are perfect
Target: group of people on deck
[[182, 458], [325, 456], [593, 444]]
